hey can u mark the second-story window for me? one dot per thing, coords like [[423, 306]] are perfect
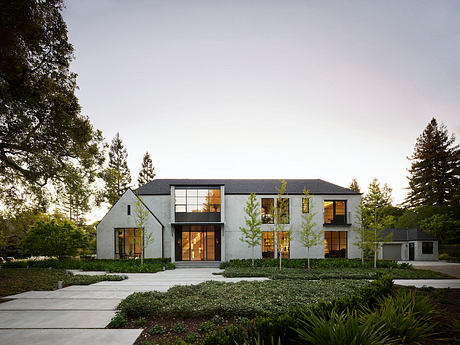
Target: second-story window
[[335, 212], [267, 210], [305, 205], [197, 200], [284, 216]]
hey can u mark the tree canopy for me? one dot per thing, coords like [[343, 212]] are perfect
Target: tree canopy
[[147, 172], [41, 129], [434, 176]]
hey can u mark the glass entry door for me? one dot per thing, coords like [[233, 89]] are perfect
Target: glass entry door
[[198, 243]]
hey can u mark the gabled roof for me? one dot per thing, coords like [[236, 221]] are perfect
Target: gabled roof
[[408, 235], [246, 186]]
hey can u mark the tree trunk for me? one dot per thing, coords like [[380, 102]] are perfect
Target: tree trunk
[[281, 254], [253, 257], [375, 256], [308, 257]]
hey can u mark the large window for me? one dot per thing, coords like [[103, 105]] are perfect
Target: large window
[[197, 243], [267, 211], [268, 244], [335, 212], [335, 244], [427, 247], [127, 243], [197, 200]]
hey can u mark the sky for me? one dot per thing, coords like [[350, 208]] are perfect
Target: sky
[[268, 89]]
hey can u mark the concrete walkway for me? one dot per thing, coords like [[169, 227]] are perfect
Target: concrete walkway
[[450, 268], [78, 314]]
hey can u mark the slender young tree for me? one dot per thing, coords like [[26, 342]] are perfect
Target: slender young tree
[[142, 216], [147, 172], [117, 176], [252, 233], [434, 176], [354, 186], [310, 235], [362, 229], [280, 212]]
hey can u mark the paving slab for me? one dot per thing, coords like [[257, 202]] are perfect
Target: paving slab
[[60, 304], [76, 294], [435, 283], [55, 319], [69, 336]]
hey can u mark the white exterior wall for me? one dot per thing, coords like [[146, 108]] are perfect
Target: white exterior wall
[[418, 256], [116, 218], [234, 219]]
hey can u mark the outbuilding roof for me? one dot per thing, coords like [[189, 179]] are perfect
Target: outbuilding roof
[[408, 235], [246, 186]]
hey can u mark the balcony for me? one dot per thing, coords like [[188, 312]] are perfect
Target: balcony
[[337, 219]]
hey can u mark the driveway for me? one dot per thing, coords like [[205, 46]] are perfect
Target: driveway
[[452, 269], [78, 314]]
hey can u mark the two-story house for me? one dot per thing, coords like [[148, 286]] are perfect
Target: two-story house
[[200, 220]]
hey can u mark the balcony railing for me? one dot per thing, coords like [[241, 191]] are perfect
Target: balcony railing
[[337, 219]]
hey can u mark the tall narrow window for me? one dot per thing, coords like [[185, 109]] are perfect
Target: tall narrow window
[[284, 217], [305, 205], [335, 244], [283, 239], [267, 210], [268, 245], [129, 210]]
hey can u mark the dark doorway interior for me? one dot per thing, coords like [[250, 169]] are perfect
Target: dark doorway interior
[[198, 243], [411, 251]]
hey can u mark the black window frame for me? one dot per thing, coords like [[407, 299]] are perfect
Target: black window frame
[[336, 253], [430, 246], [266, 213], [334, 220], [117, 247], [305, 201]]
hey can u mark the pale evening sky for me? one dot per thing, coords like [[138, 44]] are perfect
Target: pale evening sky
[[269, 89]]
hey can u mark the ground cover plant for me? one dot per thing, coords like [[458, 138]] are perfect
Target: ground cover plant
[[121, 266], [17, 280], [331, 273]]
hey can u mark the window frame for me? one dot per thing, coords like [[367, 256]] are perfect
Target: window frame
[[303, 205], [197, 206], [118, 254], [334, 213], [267, 214], [430, 245]]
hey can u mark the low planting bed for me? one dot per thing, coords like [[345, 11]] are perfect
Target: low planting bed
[[17, 280], [331, 273], [120, 266]]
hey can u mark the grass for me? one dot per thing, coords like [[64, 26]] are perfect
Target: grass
[[17, 280], [120, 266], [330, 273], [234, 299]]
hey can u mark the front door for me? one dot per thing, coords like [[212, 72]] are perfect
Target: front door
[[411, 251], [197, 243]]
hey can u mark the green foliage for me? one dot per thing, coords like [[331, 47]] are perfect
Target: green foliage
[[377, 197], [442, 227], [42, 132], [354, 186], [121, 266], [434, 178], [206, 327], [341, 328], [118, 321], [310, 236], [141, 216], [147, 172], [252, 233], [54, 239], [179, 327], [192, 337], [117, 176], [217, 320], [243, 298], [140, 321], [157, 329], [408, 220]]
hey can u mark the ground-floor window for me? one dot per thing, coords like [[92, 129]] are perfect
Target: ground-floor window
[[335, 244], [268, 244], [427, 247], [198, 243], [127, 243]]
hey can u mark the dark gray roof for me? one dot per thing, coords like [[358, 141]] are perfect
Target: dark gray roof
[[408, 235], [246, 186]]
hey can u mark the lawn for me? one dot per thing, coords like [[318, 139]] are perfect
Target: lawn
[[331, 273], [245, 298], [17, 280]]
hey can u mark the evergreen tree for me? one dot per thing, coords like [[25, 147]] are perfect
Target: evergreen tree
[[354, 186], [252, 234], [434, 174], [147, 172], [117, 176], [377, 197]]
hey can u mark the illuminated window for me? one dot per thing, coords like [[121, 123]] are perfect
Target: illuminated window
[[268, 244], [267, 210], [127, 243], [335, 212], [335, 244], [305, 205], [197, 200]]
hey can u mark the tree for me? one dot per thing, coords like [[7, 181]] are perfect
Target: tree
[[147, 172], [252, 234], [280, 212], [53, 238], [117, 176], [142, 216], [445, 228], [310, 236], [361, 227], [41, 128], [434, 176], [354, 186]]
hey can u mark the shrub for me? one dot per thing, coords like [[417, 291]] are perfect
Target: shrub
[[140, 321], [192, 337], [217, 320], [179, 327], [206, 327], [157, 330], [118, 321]]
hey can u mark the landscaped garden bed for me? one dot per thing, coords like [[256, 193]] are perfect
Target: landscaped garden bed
[[120, 266], [17, 280]]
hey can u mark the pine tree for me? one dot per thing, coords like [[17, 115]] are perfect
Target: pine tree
[[377, 197], [117, 176], [434, 173], [147, 172], [354, 186]]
